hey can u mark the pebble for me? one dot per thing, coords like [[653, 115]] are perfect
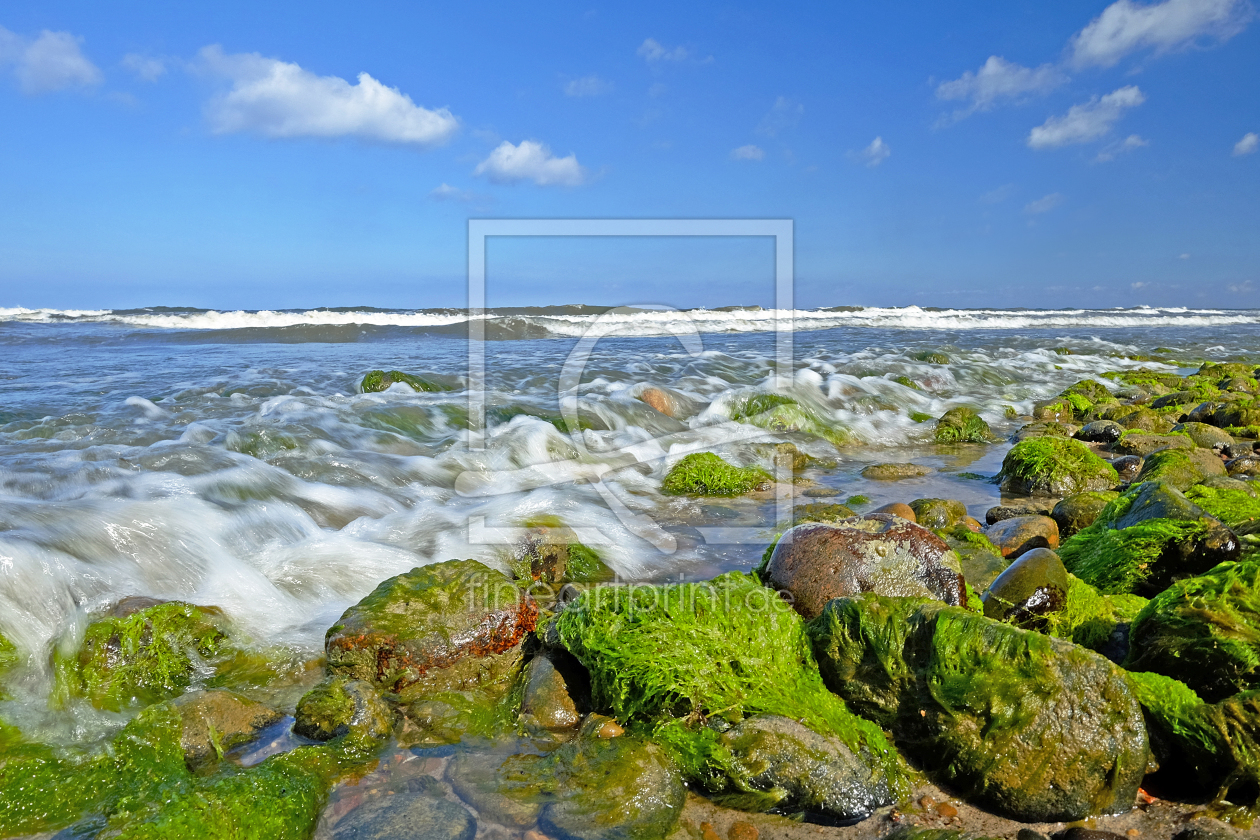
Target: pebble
[[741, 830], [611, 729], [898, 509], [1021, 534], [707, 832], [946, 810]]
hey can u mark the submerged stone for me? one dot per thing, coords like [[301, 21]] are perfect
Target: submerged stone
[[877, 552], [1021, 534], [1033, 727], [213, 722], [938, 513], [447, 626], [422, 813], [1054, 466], [895, 472], [474, 775], [1100, 431], [1031, 588], [343, 706], [380, 380]]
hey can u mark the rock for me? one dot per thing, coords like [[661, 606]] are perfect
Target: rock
[[1204, 631], [550, 553], [785, 456], [980, 560], [1127, 467], [1210, 830], [379, 380], [1100, 431], [1036, 430], [1146, 420], [1182, 468], [1238, 449], [343, 706], [820, 512], [1205, 436], [1054, 466], [938, 513], [1035, 728], [972, 523], [599, 788], [661, 400], [873, 553], [145, 656], [962, 425], [1239, 413], [1054, 410], [1009, 511], [1155, 500], [423, 813], [706, 474], [1079, 511], [895, 472], [1019, 534], [548, 700], [476, 777], [741, 830], [449, 717], [213, 722], [898, 509], [1140, 443], [1243, 465], [1031, 588], [804, 771], [446, 626]]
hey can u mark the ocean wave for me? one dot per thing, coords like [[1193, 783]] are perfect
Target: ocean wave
[[538, 322]]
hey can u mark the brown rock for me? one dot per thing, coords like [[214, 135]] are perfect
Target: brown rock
[[878, 553], [898, 509], [938, 513], [707, 832], [973, 524], [547, 699], [741, 830], [662, 401], [1019, 534], [211, 721], [999, 512], [1128, 467]]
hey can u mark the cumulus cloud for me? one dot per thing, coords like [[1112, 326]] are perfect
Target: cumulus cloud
[[1125, 26], [874, 154], [278, 99], [530, 161], [588, 86], [996, 81], [654, 52], [50, 62], [782, 116], [148, 69], [1113, 150], [1086, 122], [749, 152], [1247, 145], [1044, 204]]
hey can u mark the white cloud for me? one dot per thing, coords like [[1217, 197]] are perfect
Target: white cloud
[[148, 69], [998, 80], [654, 52], [1238, 288], [874, 154], [1124, 27], [50, 62], [1113, 150], [445, 192], [530, 161], [1248, 144], [1137, 285], [1183, 256], [749, 152], [1083, 123], [998, 195], [278, 99], [588, 86], [782, 116], [1044, 204]]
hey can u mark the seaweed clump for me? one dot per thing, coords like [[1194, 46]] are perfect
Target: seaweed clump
[[779, 413], [1231, 506], [682, 662], [1090, 618], [1055, 466], [706, 474], [380, 380], [962, 425]]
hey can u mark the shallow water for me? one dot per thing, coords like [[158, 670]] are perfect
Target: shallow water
[[229, 459]]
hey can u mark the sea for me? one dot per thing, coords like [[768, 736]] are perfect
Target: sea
[[231, 458]]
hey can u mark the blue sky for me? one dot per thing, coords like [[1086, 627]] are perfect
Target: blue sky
[[234, 155]]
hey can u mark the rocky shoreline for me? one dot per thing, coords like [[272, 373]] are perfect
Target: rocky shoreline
[[1087, 659]]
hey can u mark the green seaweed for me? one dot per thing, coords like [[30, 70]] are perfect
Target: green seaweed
[[907, 382], [694, 652], [1089, 618], [932, 357], [779, 413], [706, 474], [379, 380], [1233, 507], [920, 417], [1118, 561], [1174, 466], [962, 425], [1056, 464], [857, 500]]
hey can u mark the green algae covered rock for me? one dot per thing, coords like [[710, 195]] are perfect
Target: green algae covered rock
[[1204, 435], [551, 553], [623, 788], [1205, 749], [1029, 590], [447, 626], [1055, 466], [938, 513], [962, 425], [380, 380], [706, 474], [8, 659], [1182, 468], [144, 657], [1080, 510], [215, 721], [342, 706], [779, 413], [1144, 443], [1095, 621], [1033, 727], [664, 658], [1234, 506], [1204, 631]]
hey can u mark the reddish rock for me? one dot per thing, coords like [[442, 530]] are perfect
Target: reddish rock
[[1019, 534], [898, 509], [662, 401], [878, 553], [448, 626]]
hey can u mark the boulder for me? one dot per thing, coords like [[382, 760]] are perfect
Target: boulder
[[1146, 420], [1100, 431], [938, 513], [898, 509], [213, 722], [343, 706], [1182, 468], [1029, 507], [873, 553], [1020, 534], [1204, 435], [962, 425], [1127, 467], [1080, 510], [446, 626], [895, 472], [1035, 728], [548, 700], [1031, 588], [1248, 465], [1142, 443], [1054, 466]]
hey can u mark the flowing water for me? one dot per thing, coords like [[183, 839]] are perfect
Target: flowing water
[[229, 458]]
